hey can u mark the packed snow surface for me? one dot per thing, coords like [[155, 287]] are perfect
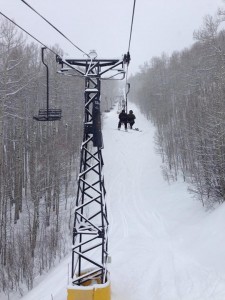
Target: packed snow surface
[[164, 245]]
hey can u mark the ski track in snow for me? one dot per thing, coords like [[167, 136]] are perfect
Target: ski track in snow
[[164, 246], [146, 260]]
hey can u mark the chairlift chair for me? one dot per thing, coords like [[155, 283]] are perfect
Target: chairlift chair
[[53, 114], [48, 114]]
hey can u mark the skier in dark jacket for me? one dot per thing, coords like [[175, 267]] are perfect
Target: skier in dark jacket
[[130, 118], [122, 119]]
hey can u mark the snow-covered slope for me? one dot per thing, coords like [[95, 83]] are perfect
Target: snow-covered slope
[[163, 245]]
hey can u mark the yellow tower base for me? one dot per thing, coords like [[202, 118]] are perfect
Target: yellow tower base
[[90, 292]]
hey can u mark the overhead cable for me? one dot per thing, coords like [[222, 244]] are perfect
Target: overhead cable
[[55, 28], [131, 27], [127, 85], [28, 33]]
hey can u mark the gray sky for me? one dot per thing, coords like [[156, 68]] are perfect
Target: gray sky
[[104, 25]]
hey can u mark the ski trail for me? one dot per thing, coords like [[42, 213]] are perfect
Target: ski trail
[[145, 239]]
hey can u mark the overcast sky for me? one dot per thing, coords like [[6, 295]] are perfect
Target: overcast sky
[[104, 25]]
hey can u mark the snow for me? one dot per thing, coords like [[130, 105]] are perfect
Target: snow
[[163, 244]]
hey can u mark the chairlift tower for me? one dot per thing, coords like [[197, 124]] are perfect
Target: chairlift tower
[[89, 274]]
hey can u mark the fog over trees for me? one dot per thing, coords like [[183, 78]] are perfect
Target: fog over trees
[[184, 96]]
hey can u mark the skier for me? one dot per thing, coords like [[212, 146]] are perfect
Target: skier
[[122, 120], [130, 118]]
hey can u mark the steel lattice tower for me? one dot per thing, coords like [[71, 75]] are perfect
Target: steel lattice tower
[[90, 242], [90, 231]]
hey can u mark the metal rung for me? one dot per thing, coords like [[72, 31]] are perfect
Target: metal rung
[[52, 114]]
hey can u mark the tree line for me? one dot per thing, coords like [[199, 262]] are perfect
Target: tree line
[[38, 160], [184, 97]]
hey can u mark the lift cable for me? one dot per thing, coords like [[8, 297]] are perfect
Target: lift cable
[[127, 85], [131, 27], [29, 34], [58, 56], [55, 28]]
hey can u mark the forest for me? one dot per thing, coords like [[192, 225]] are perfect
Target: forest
[[183, 95], [39, 161]]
